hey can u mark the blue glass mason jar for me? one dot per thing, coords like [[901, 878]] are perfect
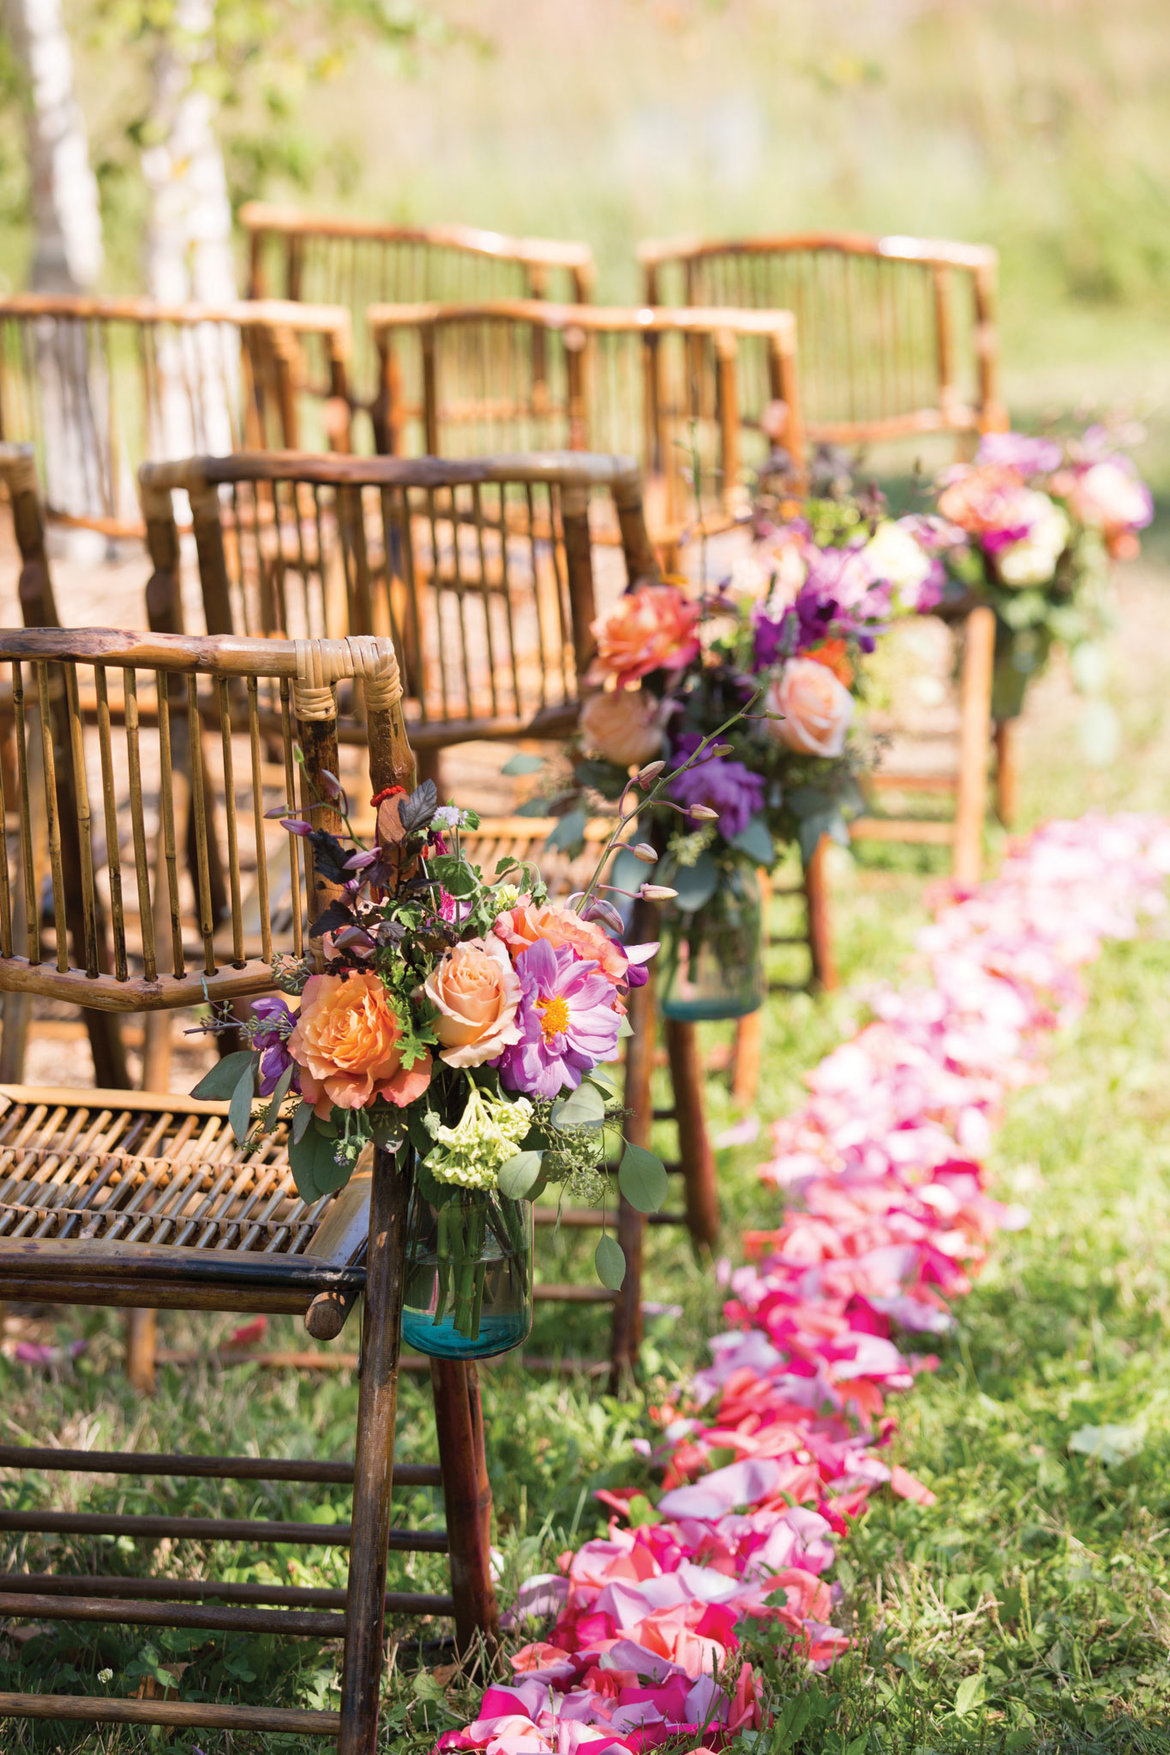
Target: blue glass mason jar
[[711, 962], [468, 1284]]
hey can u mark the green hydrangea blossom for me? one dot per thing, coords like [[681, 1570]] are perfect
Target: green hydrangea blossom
[[487, 1134]]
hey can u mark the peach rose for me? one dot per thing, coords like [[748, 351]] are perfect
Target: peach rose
[[345, 1042], [817, 709], [650, 628], [621, 726], [477, 992], [522, 925]]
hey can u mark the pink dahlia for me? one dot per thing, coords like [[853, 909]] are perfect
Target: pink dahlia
[[568, 1024]]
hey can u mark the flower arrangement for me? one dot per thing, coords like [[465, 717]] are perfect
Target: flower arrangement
[[1030, 526], [467, 1018], [776, 652]]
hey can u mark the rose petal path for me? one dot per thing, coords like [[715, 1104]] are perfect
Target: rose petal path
[[885, 1220]]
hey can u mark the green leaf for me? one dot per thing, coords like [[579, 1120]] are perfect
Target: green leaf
[[520, 1175], [583, 1107], [224, 1076], [696, 884], [969, 1693], [272, 1113], [521, 764], [807, 801], [625, 1028], [300, 1121], [534, 807], [642, 1179], [314, 1168], [756, 842], [610, 1263], [569, 832], [810, 829], [604, 1079], [240, 1107]]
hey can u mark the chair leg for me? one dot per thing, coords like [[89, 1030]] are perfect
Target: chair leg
[[141, 1346], [974, 742], [695, 1154], [1007, 773], [745, 1065], [820, 926], [467, 1496], [374, 1456]]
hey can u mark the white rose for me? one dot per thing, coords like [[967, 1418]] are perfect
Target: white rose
[[1032, 560]]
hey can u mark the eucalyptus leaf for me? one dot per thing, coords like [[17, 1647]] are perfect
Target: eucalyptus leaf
[[610, 1263], [642, 1179], [534, 807], [583, 1107], [300, 1121], [807, 801], [520, 1175], [240, 1107], [756, 842], [521, 764], [314, 1167], [696, 884], [221, 1081], [272, 1113], [569, 832]]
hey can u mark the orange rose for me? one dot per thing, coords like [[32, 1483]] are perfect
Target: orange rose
[[834, 655], [621, 725], [477, 992], [650, 628], [817, 709], [345, 1042], [523, 925]]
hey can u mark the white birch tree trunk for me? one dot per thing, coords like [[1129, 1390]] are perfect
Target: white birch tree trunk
[[188, 238], [68, 255], [67, 258]]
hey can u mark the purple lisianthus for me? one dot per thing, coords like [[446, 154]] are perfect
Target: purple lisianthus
[[1016, 451], [270, 1040], [568, 1024], [727, 787]]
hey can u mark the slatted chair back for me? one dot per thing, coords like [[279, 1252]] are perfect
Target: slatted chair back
[[361, 262], [97, 385], [481, 571], [897, 335], [663, 385], [151, 692]]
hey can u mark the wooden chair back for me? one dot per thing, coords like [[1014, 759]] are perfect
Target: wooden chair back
[[148, 938], [480, 571], [361, 262], [897, 335], [659, 384], [96, 385]]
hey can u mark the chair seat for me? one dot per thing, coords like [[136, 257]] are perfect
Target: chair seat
[[117, 1197]]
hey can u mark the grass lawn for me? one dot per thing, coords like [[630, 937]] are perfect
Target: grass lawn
[[1026, 1610]]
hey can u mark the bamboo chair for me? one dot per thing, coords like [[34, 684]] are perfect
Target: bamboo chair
[[118, 1199], [97, 385], [360, 262], [658, 384], [898, 340], [38, 607], [502, 618], [897, 335]]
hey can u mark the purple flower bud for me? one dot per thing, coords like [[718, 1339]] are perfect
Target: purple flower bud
[[297, 826], [331, 785], [359, 861]]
